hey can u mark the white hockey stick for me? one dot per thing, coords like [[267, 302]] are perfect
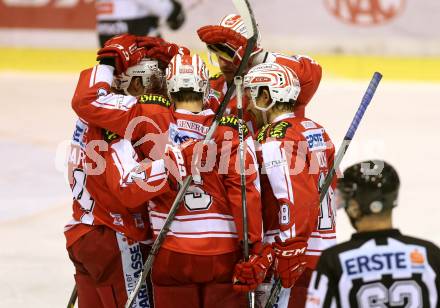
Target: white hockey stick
[[238, 80], [244, 9]]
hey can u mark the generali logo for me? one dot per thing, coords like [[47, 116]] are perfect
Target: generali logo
[[365, 12]]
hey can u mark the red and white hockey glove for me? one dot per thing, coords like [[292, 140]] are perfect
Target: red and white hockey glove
[[290, 260], [248, 275], [164, 53], [225, 42], [123, 50]]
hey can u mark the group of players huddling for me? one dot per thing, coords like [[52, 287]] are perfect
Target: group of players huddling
[[143, 111]]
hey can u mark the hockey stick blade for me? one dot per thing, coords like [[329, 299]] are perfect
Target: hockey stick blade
[[174, 207], [366, 99], [243, 9]]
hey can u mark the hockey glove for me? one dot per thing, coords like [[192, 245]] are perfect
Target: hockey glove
[[164, 53], [225, 42], [177, 16], [123, 50], [290, 260], [248, 275]]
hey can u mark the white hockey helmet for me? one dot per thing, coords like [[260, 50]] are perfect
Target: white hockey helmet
[[282, 82], [147, 69], [187, 72]]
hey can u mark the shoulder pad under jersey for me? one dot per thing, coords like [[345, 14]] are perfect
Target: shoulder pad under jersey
[[155, 100], [273, 131], [232, 121], [216, 76], [109, 136]]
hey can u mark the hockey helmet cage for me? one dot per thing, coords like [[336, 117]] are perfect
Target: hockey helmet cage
[[188, 72], [282, 82], [373, 184], [146, 68]]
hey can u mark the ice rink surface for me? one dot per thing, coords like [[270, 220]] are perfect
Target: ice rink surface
[[36, 122]]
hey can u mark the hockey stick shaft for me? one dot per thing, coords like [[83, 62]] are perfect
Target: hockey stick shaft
[[238, 80], [244, 4], [73, 297], [366, 99]]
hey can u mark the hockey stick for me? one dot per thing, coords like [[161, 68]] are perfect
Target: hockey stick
[[244, 9], [73, 297], [366, 99], [238, 81]]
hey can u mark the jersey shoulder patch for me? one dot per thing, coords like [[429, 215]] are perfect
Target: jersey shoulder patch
[[262, 133], [232, 121], [109, 136], [155, 100], [278, 130]]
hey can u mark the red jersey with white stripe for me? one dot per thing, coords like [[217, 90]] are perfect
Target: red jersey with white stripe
[[209, 220], [309, 74], [109, 186], [296, 154]]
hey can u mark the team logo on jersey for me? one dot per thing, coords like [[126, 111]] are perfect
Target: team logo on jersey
[[232, 121], [279, 130], [365, 12], [155, 99], [109, 136], [315, 139]]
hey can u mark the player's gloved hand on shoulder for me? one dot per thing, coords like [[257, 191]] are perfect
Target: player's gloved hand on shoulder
[[225, 42], [121, 51], [165, 52], [177, 16], [290, 260], [249, 274]]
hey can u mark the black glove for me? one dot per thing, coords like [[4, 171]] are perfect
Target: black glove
[[177, 16]]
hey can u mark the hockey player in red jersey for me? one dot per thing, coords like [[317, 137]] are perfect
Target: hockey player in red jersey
[[195, 265], [295, 156], [228, 41], [207, 237], [110, 189]]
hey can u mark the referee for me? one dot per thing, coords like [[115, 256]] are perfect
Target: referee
[[379, 266]]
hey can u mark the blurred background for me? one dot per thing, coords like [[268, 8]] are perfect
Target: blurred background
[[44, 44]]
